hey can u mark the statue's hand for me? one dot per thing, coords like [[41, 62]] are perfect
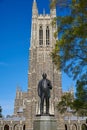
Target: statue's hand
[[50, 86]]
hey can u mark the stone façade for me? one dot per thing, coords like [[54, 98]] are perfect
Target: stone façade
[[27, 103]]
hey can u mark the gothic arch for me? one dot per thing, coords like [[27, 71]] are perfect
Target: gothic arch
[[83, 127], [15, 127], [6, 127], [65, 127], [24, 127], [74, 127]]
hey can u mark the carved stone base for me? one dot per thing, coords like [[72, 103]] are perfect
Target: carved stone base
[[45, 123]]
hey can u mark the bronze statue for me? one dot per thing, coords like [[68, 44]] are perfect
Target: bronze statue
[[44, 87]]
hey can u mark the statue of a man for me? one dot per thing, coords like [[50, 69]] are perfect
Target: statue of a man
[[44, 87]]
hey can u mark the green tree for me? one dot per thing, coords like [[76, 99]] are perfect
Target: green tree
[[65, 103], [80, 102], [70, 52], [75, 105]]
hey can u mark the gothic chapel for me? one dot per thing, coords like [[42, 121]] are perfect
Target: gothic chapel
[[27, 104]]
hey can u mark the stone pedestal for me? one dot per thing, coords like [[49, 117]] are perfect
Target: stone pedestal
[[45, 123]]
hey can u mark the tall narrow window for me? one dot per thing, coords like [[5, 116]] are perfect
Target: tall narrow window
[[47, 36], [40, 35]]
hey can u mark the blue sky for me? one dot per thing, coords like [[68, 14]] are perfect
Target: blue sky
[[15, 28]]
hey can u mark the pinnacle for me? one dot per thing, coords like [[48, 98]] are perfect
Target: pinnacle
[[34, 0], [34, 4]]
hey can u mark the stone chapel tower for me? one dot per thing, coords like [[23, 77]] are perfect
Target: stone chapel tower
[[41, 45]]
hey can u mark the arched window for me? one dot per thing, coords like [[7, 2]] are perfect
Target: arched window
[[15, 127], [65, 127], [24, 127], [41, 36], [47, 36], [74, 127], [84, 127], [6, 127]]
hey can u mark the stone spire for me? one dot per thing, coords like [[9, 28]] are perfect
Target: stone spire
[[53, 10], [34, 9]]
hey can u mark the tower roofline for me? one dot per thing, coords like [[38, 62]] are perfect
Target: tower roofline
[[36, 12]]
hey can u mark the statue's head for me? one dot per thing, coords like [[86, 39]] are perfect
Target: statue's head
[[44, 75]]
